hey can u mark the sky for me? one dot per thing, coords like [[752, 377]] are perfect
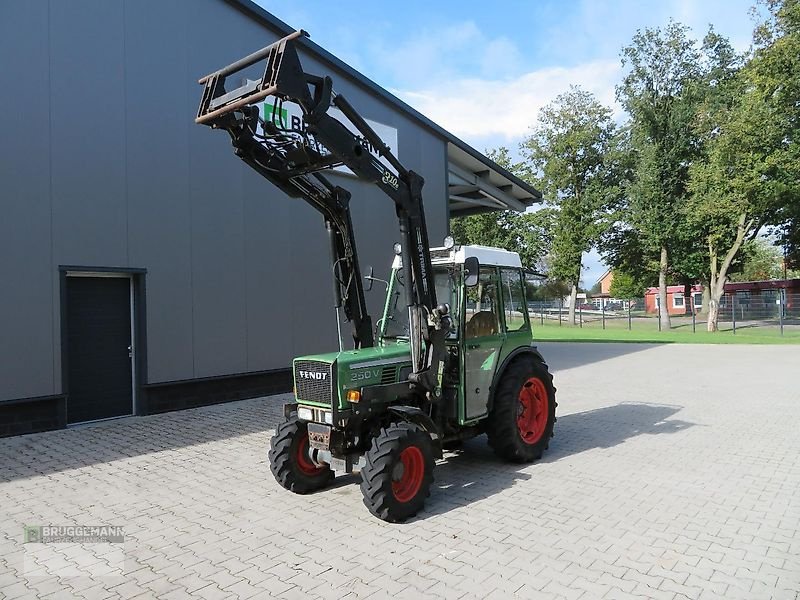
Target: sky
[[483, 70]]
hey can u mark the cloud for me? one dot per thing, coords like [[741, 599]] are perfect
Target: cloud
[[441, 53], [506, 108]]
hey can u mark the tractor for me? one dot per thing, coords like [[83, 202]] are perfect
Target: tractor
[[452, 356]]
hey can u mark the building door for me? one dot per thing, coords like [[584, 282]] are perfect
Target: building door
[[99, 351]]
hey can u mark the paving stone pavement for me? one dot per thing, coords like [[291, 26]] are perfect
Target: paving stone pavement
[[686, 488]]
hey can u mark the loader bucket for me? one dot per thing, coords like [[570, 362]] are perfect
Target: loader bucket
[[280, 59]]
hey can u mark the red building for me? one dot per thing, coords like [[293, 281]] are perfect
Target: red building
[[757, 294], [749, 294], [676, 303]]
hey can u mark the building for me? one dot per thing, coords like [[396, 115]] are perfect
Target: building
[[603, 299], [605, 283], [146, 268], [676, 302], [762, 298]]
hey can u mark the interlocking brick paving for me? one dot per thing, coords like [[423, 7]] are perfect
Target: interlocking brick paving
[[674, 473]]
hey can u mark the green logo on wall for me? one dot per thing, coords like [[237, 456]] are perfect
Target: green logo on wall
[[268, 114]]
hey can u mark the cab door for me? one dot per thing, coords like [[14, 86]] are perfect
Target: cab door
[[483, 340]]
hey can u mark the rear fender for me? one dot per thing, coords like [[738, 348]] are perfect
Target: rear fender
[[412, 414], [530, 351]]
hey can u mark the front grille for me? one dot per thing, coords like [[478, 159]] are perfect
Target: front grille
[[313, 381], [388, 375]]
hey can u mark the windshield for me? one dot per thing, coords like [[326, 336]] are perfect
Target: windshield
[[395, 318]]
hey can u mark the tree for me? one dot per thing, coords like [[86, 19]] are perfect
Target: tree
[[626, 286], [789, 239], [529, 233], [750, 171], [659, 93], [759, 261], [777, 39], [568, 154]]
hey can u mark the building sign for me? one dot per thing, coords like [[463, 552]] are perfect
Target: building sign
[[291, 117]]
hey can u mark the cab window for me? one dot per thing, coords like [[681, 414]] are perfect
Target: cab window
[[447, 293], [515, 312], [482, 315]]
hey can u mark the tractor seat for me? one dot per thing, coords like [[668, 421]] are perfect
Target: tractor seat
[[482, 323]]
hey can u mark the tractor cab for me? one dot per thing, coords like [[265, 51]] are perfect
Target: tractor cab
[[485, 290]]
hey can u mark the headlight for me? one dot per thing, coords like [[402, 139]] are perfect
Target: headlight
[[314, 415]]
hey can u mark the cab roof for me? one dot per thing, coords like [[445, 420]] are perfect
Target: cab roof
[[486, 255]]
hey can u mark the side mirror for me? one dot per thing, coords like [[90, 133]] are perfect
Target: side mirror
[[471, 268], [369, 279]]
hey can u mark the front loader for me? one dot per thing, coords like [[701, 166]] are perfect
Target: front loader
[[452, 355]]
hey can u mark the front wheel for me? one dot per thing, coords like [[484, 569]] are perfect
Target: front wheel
[[290, 462], [398, 473], [524, 412]]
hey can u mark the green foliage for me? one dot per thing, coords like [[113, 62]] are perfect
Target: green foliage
[[749, 174], [760, 261], [530, 233], [626, 286], [548, 289], [659, 93], [661, 90], [708, 159], [568, 155], [624, 251], [776, 76]]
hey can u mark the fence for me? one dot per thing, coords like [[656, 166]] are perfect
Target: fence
[[775, 310]]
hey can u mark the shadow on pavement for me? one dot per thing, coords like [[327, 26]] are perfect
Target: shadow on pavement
[[465, 477], [568, 355], [475, 472], [103, 442], [612, 425]]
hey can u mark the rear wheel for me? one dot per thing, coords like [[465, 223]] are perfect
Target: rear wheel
[[290, 461], [398, 473], [521, 422]]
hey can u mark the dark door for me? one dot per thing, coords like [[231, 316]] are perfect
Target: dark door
[[98, 348]]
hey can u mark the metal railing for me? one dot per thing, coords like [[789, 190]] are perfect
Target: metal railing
[[777, 309]]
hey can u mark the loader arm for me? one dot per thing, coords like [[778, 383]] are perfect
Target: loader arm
[[292, 160]]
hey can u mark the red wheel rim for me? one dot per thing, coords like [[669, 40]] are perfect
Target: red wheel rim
[[532, 411], [407, 480], [304, 463]]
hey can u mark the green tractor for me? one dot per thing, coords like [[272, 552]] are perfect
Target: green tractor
[[451, 357], [355, 409]]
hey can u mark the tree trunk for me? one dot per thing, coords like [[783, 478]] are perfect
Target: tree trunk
[[720, 276], [688, 299], [715, 296], [706, 297], [662, 291], [713, 315], [573, 300]]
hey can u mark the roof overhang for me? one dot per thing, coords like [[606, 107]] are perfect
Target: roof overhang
[[476, 184]]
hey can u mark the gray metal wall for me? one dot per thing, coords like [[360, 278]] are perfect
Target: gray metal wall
[[102, 165]]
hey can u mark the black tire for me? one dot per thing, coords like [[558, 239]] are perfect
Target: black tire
[[525, 388], [289, 460], [398, 473]]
